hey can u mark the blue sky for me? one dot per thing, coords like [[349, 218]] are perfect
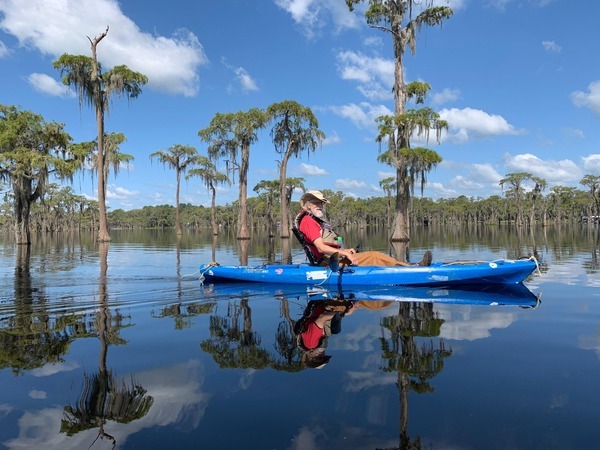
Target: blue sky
[[517, 80]]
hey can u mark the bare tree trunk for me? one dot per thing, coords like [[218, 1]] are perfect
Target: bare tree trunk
[[243, 232], [103, 235], [213, 214], [285, 224], [22, 209], [177, 218]]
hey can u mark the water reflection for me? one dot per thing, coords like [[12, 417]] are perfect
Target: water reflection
[[104, 399], [414, 364], [29, 338], [233, 343], [407, 336], [376, 391]]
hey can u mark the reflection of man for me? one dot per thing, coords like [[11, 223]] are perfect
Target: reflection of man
[[321, 319], [312, 331]]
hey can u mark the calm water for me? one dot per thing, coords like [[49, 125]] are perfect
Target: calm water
[[121, 346]]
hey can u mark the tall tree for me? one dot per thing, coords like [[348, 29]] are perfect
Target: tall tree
[[593, 183], [178, 157], [208, 172], [112, 156], [291, 184], [516, 191], [97, 88], [536, 195], [270, 191], [231, 134], [389, 186], [296, 130], [32, 149], [412, 164], [396, 18]]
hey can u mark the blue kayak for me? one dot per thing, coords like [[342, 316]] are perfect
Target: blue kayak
[[458, 273], [490, 295]]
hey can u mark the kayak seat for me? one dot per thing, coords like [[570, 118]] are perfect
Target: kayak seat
[[312, 259]]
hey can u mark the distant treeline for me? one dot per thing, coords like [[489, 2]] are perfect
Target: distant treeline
[[62, 210]]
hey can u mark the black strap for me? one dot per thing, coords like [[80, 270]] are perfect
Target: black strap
[[312, 259]]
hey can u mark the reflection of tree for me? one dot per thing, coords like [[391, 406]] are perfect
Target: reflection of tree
[[182, 314], [103, 398], [243, 251], [415, 364], [285, 341], [233, 343], [30, 338]]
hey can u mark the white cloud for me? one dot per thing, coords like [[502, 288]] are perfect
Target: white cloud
[[461, 182], [500, 5], [438, 190], [309, 169], [242, 76], [445, 96], [4, 51], [48, 85], [373, 41], [375, 75], [473, 180], [248, 84], [382, 174], [311, 16], [468, 123], [590, 99], [332, 139], [350, 184], [363, 115], [551, 46], [591, 164], [551, 171], [55, 27], [120, 193], [574, 132], [485, 173]]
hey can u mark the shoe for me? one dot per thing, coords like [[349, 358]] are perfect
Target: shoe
[[427, 257]]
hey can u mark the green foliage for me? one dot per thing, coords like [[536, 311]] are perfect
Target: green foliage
[[31, 151]]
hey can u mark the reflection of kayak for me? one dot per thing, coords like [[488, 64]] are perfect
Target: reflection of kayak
[[499, 294], [459, 273]]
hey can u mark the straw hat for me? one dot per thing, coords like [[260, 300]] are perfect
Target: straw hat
[[312, 195]]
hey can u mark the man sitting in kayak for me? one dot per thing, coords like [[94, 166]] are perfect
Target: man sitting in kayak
[[322, 241]]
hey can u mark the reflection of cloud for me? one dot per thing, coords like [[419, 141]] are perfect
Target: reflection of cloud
[[38, 395], [51, 369], [177, 399], [559, 401], [364, 338], [328, 433], [359, 381], [247, 378], [306, 439], [591, 342], [4, 409], [469, 323]]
